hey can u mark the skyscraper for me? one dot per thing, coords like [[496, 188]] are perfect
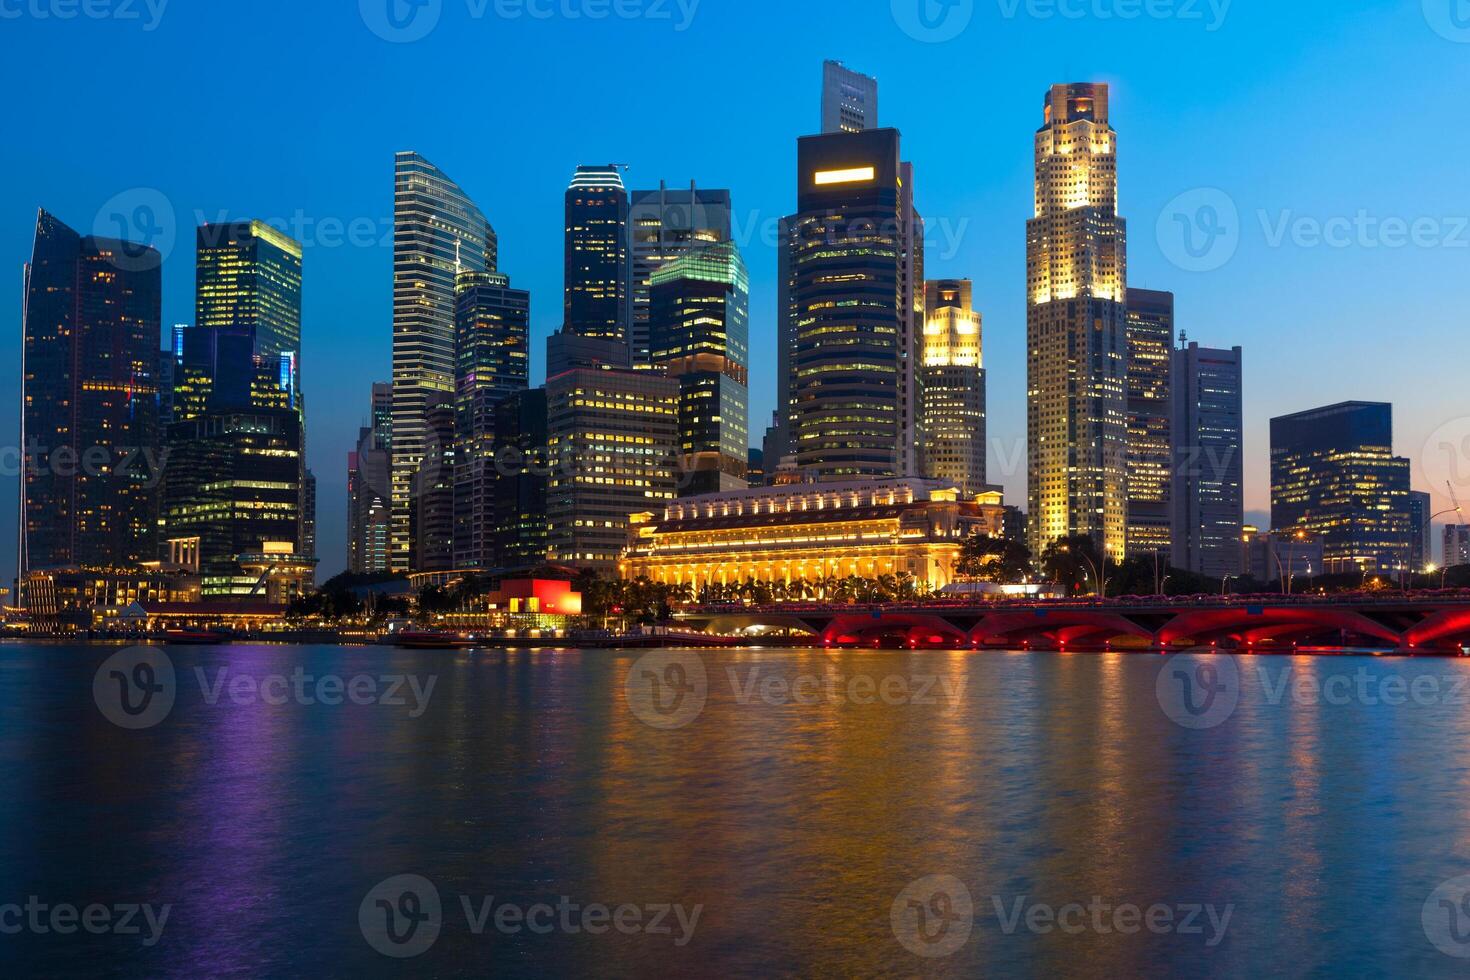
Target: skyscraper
[[613, 438], [438, 232], [1150, 417], [520, 527], [849, 99], [431, 510], [248, 279], [780, 441], [663, 225], [493, 364], [1421, 548], [848, 267], [1456, 545], [90, 417], [597, 268], [1208, 472], [1334, 476], [1076, 326], [369, 470], [700, 335], [953, 386]]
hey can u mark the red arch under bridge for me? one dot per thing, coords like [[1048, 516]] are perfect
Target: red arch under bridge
[[1408, 624]]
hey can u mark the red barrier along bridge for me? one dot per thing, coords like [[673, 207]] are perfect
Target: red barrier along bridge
[[1427, 624]]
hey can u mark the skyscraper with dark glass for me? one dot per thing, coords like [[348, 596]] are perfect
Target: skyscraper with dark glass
[[369, 477], [597, 268], [1150, 418], [1208, 475], [90, 416], [438, 232], [849, 99], [664, 224], [248, 279], [519, 525], [1076, 325], [1335, 478], [493, 363], [700, 335], [848, 268]]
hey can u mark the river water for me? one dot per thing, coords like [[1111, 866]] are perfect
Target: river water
[[326, 811]]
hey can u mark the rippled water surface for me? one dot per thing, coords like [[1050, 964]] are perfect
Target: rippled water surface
[[789, 804]]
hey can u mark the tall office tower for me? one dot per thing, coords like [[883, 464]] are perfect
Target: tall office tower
[[1456, 545], [1334, 477], [248, 279], [216, 372], [1150, 417], [1209, 461], [234, 487], [953, 385], [1076, 326], [308, 515], [910, 327], [438, 232], [700, 335], [1421, 548], [613, 438], [431, 511], [848, 266], [597, 269], [663, 225], [779, 442], [369, 478], [493, 363], [849, 99], [521, 477], [90, 418], [167, 368]]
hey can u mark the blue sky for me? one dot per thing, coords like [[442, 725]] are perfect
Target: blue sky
[[1329, 139]]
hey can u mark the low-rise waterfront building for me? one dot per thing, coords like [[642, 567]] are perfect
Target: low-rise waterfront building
[[812, 532]]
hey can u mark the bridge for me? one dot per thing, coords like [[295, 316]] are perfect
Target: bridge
[[1430, 624]]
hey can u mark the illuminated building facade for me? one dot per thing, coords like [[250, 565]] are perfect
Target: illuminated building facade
[[1209, 460], [1150, 420], [1076, 325], [848, 270], [520, 526], [247, 278], [811, 533], [663, 225], [700, 336], [1335, 477], [597, 269], [849, 99], [613, 441], [1421, 548], [431, 510], [76, 596], [953, 386], [233, 483], [369, 476], [90, 412], [438, 232]]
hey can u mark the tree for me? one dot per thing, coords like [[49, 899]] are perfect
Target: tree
[[992, 559], [1074, 564]]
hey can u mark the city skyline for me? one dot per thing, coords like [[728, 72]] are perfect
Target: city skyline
[[987, 244]]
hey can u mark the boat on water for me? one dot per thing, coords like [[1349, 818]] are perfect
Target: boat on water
[[429, 640]]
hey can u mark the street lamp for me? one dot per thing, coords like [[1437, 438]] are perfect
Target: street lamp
[[1225, 583]]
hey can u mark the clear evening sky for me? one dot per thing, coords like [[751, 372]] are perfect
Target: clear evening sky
[[1335, 131]]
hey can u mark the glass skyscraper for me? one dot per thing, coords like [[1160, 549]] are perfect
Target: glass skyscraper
[[90, 417], [953, 388], [663, 225], [1335, 478], [1076, 326], [597, 268], [1207, 485], [1150, 418], [438, 232], [849, 99], [700, 334], [248, 278]]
